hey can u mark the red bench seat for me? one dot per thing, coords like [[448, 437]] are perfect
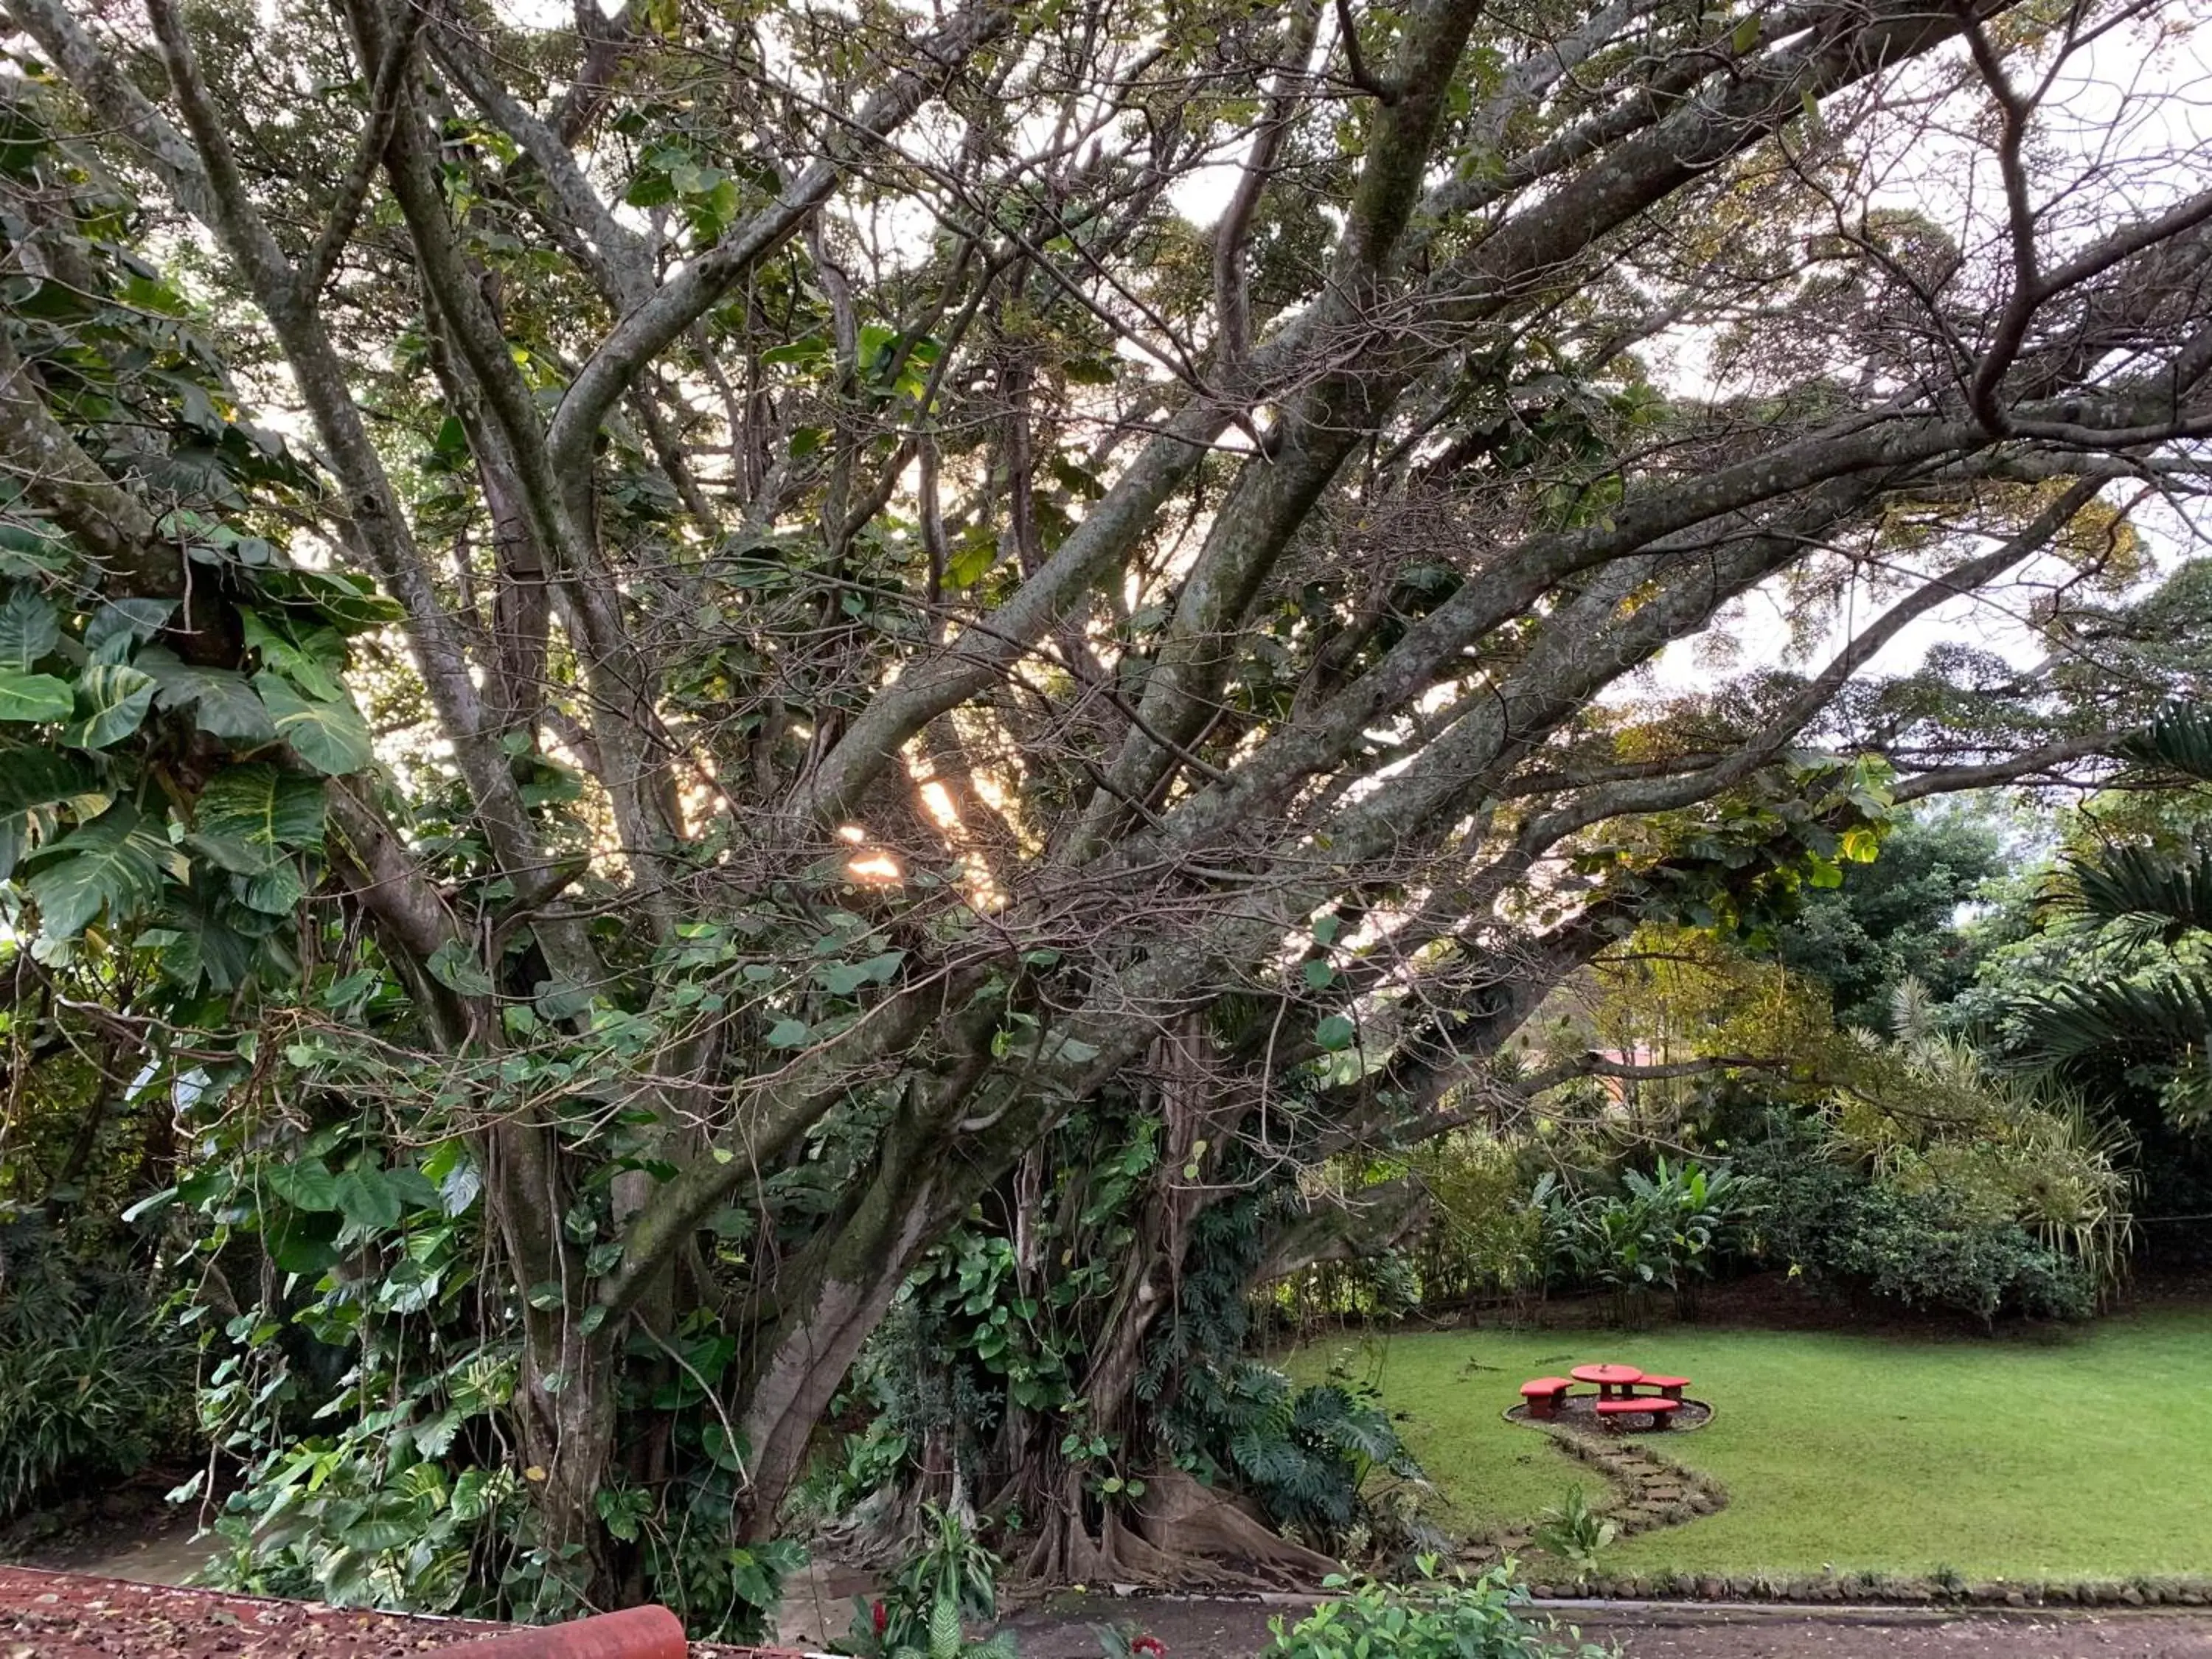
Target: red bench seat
[[1657, 1407], [1671, 1387], [1544, 1394]]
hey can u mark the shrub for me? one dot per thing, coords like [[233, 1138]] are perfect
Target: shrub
[[1304, 1453], [1928, 1247], [1432, 1617], [1661, 1232], [1482, 1236], [1575, 1534], [952, 1580], [94, 1384], [1915, 1248]]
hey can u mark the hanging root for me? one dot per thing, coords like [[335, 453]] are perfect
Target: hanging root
[[1182, 1535]]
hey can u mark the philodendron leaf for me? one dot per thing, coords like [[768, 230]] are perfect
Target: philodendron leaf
[[258, 807], [121, 623], [111, 701], [307, 1184], [312, 662], [114, 864], [34, 550], [28, 630], [327, 733], [33, 783], [222, 703], [32, 778], [454, 966], [274, 892], [34, 698]]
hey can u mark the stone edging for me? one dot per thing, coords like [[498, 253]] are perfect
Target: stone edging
[[1883, 1588], [1645, 1489]]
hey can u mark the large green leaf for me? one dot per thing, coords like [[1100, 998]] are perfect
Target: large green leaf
[[454, 966], [198, 947], [111, 701], [369, 1201], [264, 811], [121, 623], [2169, 898], [42, 777], [304, 1242], [115, 863], [222, 703], [34, 783], [329, 734], [34, 698], [307, 1184], [311, 661], [2164, 1014], [28, 630], [34, 551], [274, 891]]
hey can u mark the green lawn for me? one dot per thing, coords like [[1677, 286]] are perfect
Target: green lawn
[[2082, 1455]]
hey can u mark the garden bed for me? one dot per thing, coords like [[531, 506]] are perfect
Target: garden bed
[[62, 1615]]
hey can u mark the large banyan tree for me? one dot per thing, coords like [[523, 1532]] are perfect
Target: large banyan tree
[[683, 628]]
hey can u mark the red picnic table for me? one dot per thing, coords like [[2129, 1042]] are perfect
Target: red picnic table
[[1611, 1380], [1617, 1395]]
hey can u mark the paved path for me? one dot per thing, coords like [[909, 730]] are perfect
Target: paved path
[[1238, 1630]]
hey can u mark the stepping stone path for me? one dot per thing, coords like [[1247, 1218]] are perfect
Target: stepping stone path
[[1647, 1490]]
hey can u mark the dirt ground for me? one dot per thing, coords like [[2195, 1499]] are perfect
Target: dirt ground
[[50, 1616], [1237, 1630], [56, 1615], [158, 1550]]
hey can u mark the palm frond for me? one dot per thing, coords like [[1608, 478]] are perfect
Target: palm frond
[[2168, 897], [2167, 1014], [1912, 1009], [2178, 739]]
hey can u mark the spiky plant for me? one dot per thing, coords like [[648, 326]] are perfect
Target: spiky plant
[[2151, 911], [1927, 1111]]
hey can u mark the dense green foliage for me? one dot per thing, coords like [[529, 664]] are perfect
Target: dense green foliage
[[1434, 1616], [93, 1378], [1895, 919], [1919, 1249], [949, 1582], [2144, 1001], [987, 1356], [1663, 1231]]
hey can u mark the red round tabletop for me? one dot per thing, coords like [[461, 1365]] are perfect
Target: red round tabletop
[[1606, 1377]]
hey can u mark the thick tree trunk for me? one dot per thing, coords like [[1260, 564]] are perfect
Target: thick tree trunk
[[568, 1390], [828, 1301], [1179, 1531]]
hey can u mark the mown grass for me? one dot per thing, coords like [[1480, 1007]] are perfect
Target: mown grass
[[2051, 1455]]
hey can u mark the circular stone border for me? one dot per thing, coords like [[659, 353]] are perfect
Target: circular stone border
[[1586, 1421]]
